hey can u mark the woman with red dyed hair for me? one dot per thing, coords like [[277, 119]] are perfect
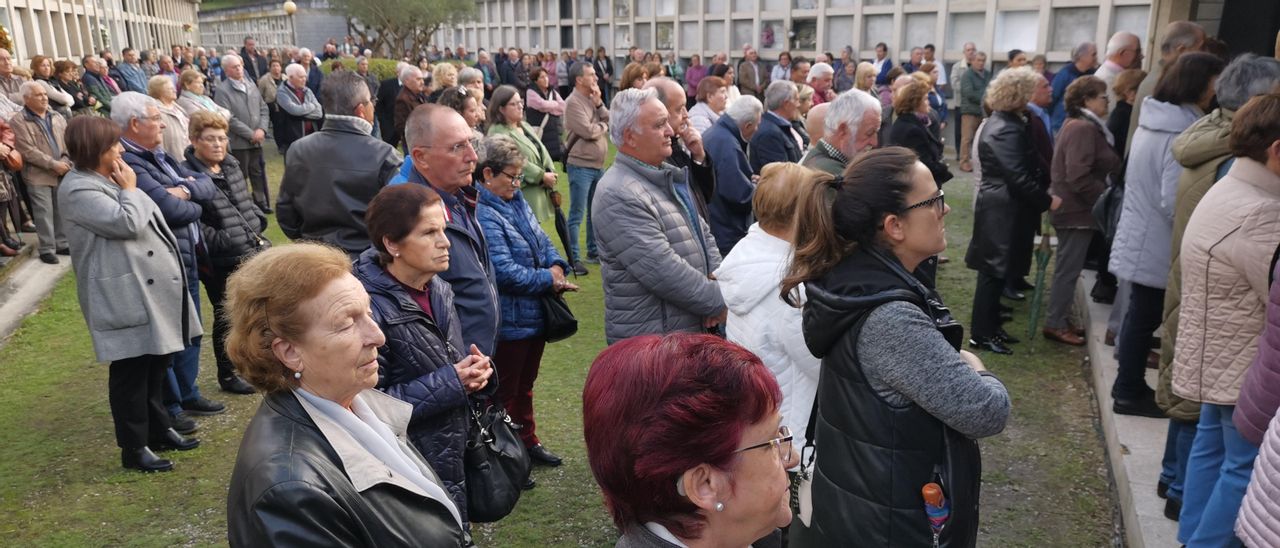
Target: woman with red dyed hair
[[685, 438]]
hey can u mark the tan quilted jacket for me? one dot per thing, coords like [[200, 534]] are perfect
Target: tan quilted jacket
[[1226, 260]]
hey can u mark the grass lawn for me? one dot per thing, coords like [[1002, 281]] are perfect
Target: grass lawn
[[1046, 481]]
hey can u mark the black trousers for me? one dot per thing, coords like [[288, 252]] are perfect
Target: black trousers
[[1146, 306], [1022, 245], [986, 306], [135, 390], [255, 171], [215, 286]]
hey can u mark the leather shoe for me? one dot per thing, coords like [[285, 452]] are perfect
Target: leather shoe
[[15, 243], [1020, 284], [201, 406], [540, 455], [182, 423], [1006, 317], [1143, 407], [593, 259], [1013, 295], [1172, 507], [528, 484], [1006, 338], [990, 344], [7, 251], [29, 227], [1064, 336], [143, 459], [1153, 360], [1110, 338], [580, 269], [48, 258], [63, 251], [235, 385], [1162, 489], [171, 440]]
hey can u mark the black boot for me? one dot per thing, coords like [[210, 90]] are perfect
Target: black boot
[[171, 440], [144, 460], [990, 344]]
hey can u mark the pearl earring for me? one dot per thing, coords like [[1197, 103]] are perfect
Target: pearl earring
[[719, 506], [297, 374]]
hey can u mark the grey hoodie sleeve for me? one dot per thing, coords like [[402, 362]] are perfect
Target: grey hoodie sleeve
[[905, 358]]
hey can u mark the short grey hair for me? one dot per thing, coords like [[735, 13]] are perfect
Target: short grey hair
[[1181, 34], [848, 109], [778, 93], [1080, 50], [818, 70], [231, 57], [343, 91], [1247, 76], [408, 71], [745, 109], [302, 52], [575, 71], [1119, 41], [624, 111], [295, 70], [499, 151], [468, 75], [29, 85], [130, 105]]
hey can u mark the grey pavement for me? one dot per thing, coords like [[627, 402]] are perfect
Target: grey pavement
[[25, 285]]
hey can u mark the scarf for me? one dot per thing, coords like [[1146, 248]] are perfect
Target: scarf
[[374, 436], [1088, 114]]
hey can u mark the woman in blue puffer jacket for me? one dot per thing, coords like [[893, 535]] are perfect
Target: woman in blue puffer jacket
[[423, 361], [527, 266]]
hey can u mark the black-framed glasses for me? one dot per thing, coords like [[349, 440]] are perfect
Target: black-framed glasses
[[780, 444], [516, 180], [939, 202]]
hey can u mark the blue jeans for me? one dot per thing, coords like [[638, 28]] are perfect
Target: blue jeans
[[1177, 448], [1218, 472], [180, 383], [582, 188]]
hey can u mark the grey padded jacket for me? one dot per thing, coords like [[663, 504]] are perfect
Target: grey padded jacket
[[656, 271]]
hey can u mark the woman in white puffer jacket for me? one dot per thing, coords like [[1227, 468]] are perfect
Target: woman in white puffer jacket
[[749, 278]]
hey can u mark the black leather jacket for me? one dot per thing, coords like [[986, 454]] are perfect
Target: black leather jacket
[[1009, 183], [290, 488], [329, 179]]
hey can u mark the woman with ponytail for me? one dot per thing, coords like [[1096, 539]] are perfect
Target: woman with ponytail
[[899, 405]]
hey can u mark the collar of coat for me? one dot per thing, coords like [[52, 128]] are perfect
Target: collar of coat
[[355, 124], [663, 175]]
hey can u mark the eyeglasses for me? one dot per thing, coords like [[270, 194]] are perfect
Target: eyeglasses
[[516, 180], [939, 202], [780, 444], [214, 139], [456, 149]]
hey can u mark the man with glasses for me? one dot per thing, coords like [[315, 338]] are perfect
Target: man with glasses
[[178, 192], [331, 175], [444, 160], [249, 119]]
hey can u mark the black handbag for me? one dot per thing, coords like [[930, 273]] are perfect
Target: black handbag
[[496, 463], [560, 321]]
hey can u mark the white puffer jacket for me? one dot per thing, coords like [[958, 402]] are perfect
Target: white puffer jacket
[[761, 322], [1259, 521]]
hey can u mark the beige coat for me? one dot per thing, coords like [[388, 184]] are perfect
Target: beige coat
[[1226, 262], [38, 157], [588, 128], [176, 139]]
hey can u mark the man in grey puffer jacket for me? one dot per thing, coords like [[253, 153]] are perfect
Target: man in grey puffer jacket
[[656, 253]]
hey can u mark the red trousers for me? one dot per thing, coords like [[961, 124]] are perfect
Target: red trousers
[[517, 364]]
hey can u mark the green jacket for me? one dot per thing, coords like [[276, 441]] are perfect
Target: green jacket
[[537, 161], [1200, 149], [818, 158], [973, 90]]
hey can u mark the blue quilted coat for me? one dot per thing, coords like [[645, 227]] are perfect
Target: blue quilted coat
[[515, 238], [416, 366]]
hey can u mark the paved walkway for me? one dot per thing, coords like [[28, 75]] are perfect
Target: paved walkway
[[25, 285], [1135, 445]]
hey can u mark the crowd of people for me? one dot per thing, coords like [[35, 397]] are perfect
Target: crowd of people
[[768, 235]]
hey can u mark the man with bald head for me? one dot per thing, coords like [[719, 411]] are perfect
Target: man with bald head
[[687, 152], [1179, 37]]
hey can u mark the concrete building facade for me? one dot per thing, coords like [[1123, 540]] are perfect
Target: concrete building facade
[[71, 28], [311, 25]]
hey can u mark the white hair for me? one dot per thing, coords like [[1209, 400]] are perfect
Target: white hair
[[302, 52], [408, 71], [818, 70], [231, 57], [1079, 52], [778, 93], [295, 69], [468, 75], [29, 85], [129, 106], [625, 110], [1119, 41], [745, 109], [368, 53], [848, 109]]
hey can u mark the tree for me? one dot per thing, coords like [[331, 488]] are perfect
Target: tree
[[391, 25]]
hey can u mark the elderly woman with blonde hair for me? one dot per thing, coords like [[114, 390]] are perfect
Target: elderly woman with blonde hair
[[175, 139], [192, 98], [1008, 184], [443, 76], [325, 460]]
